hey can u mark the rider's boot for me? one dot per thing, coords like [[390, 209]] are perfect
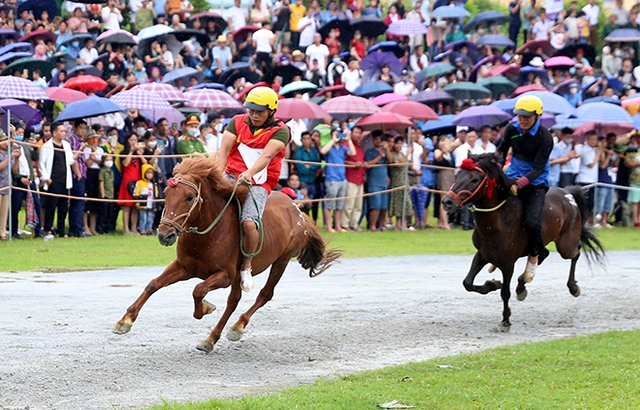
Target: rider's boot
[[250, 245]]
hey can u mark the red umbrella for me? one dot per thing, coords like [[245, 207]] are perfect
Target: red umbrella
[[64, 95], [411, 109], [384, 120], [86, 83], [43, 34], [240, 97], [336, 90], [510, 71], [559, 61], [299, 108], [526, 88], [242, 33], [533, 45]]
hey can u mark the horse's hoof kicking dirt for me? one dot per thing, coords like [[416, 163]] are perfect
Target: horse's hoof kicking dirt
[[234, 335], [205, 346], [121, 328], [521, 296], [502, 328]]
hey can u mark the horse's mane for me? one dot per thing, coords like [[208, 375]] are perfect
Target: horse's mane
[[490, 164], [207, 170]]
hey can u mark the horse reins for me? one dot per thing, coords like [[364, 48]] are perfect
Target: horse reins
[[470, 194]]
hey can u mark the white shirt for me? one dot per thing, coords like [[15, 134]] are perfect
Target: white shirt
[[134, 5], [484, 150], [263, 38], [297, 128], [592, 13], [87, 56], [320, 53], [45, 165], [413, 62], [572, 166], [306, 35], [98, 153], [404, 88], [352, 79], [168, 57], [111, 20], [71, 6], [586, 174], [462, 152], [114, 120], [238, 16], [24, 163]]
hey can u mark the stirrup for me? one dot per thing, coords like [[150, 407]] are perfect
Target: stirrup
[[246, 280]]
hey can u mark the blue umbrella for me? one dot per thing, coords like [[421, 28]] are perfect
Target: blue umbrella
[[16, 47], [184, 73], [7, 58], [154, 31], [389, 45], [636, 121], [552, 102], [539, 72], [486, 18], [481, 115], [372, 64], [211, 86], [603, 112], [38, 6], [609, 100], [506, 105], [19, 109], [623, 35], [442, 126], [91, 107], [372, 89], [450, 12], [567, 121], [495, 40]]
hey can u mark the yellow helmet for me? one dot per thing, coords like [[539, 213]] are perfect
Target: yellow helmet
[[528, 105], [261, 98]]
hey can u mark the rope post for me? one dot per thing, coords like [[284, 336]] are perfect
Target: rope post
[[9, 174]]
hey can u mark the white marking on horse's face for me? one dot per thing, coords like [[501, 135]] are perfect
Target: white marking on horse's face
[[571, 199]]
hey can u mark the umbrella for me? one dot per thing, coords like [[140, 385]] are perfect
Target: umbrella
[[87, 69], [388, 98], [287, 72], [603, 112], [372, 64], [118, 38], [384, 120], [485, 18], [210, 99], [435, 69], [372, 89], [495, 40], [552, 102], [559, 61], [567, 121], [407, 28], [38, 6], [439, 127], [104, 57], [172, 116], [532, 46], [298, 87], [242, 33], [473, 74], [336, 91], [349, 105], [173, 45], [471, 52], [8, 57], [547, 120], [389, 45], [499, 85], [346, 31], [46, 35], [186, 34], [154, 31], [564, 86], [466, 90], [507, 105], [412, 109], [299, 108], [20, 88], [432, 97], [19, 109], [184, 74], [27, 47], [81, 38], [317, 100], [242, 68], [69, 61], [64, 95], [369, 26], [480, 116], [211, 86], [601, 128], [140, 99], [29, 64], [450, 12], [636, 121], [608, 100], [538, 72], [623, 35], [91, 107], [9, 32], [109, 33], [86, 83], [205, 16], [166, 91], [570, 51], [510, 71]]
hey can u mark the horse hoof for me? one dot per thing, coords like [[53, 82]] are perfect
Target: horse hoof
[[234, 335], [522, 295], [576, 292], [502, 328], [208, 307], [492, 268], [205, 346], [496, 283], [121, 328]]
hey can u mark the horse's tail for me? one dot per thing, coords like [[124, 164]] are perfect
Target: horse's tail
[[314, 256], [592, 246]]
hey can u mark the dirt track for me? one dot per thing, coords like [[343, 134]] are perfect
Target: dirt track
[[57, 350]]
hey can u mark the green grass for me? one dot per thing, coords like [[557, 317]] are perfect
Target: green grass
[[600, 371], [119, 251]]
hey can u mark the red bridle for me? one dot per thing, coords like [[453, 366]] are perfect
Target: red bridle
[[470, 194]]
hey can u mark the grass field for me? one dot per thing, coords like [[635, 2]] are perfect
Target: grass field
[[600, 371]]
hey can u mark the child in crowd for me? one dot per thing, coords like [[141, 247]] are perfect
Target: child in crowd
[[146, 190], [106, 186], [583, 28]]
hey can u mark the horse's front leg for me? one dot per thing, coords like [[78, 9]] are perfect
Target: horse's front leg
[[219, 279], [172, 274], [505, 294], [232, 303], [572, 284], [477, 264]]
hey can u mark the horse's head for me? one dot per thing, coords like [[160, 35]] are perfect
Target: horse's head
[[182, 197], [477, 178]]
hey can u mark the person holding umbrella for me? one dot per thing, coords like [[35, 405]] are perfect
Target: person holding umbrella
[[252, 150], [531, 145]]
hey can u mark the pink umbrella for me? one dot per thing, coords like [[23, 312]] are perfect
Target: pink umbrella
[[559, 61], [116, 31], [207, 98], [510, 71], [166, 91], [386, 121], [387, 98], [526, 88], [65, 95], [299, 108], [411, 109], [336, 90], [602, 128], [349, 105]]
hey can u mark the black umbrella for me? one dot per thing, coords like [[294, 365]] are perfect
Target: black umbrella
[[86, 69], [570, 51], [205, 16], [70, 62], [250, 76], [485, 18], [186, 34], [287, 72], [239, 66], [81, 38], [346, 30], [118, 38], [104, 57], [38, 6], [369, 26], [90, 1]]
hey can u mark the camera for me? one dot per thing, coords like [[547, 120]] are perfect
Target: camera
[[341, 135]]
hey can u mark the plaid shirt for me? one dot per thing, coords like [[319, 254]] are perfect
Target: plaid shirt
[[76, 143]]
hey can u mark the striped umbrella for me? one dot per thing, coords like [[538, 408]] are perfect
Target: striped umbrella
[[206, 98], [20, 88], [166, 91], [407, 28], [350, 105], [139, 99]]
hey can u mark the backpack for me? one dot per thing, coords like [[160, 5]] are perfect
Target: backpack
[[131, 187]]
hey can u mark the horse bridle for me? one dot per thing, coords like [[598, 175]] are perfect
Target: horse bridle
[[180, 228], [456, 195]]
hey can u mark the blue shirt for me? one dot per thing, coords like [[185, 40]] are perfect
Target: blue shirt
[[519, 168], [573, 100], [427, 178], [224, 55], [336, 156], [307, 175], [376, 175], [554, 170]]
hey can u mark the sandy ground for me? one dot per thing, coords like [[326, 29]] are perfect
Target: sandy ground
[[57, 350]]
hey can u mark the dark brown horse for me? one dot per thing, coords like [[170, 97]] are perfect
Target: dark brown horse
[[209, 248], [499, 234]]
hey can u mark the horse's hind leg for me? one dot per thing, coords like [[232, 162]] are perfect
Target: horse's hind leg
[[505, 294], [219, 279], [572, 284], [232, 303], [265, 295], [172, 274], [476, 266]]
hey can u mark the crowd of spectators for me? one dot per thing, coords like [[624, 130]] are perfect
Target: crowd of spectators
[[128, 156]]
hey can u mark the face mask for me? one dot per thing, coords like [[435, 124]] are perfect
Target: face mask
[[618, 53], [336, 60], [75, 44], [113, 140], [19, 137], [194, 132], [481, 31], [467, 36], [112, 66], [152, 144], [140, 131], [456, 27], [572, 91], [208, 137], [405, 80], [568, 140], [108, 164], [351, 125]]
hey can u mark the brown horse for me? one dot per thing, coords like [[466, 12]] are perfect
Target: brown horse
[[499, 234], [202, 209]]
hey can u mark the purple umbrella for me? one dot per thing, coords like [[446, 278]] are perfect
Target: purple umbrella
[[564, 86], [15, 87], [8, 32], [18, 109], [372, 64], [473, 74], [480, 116]]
